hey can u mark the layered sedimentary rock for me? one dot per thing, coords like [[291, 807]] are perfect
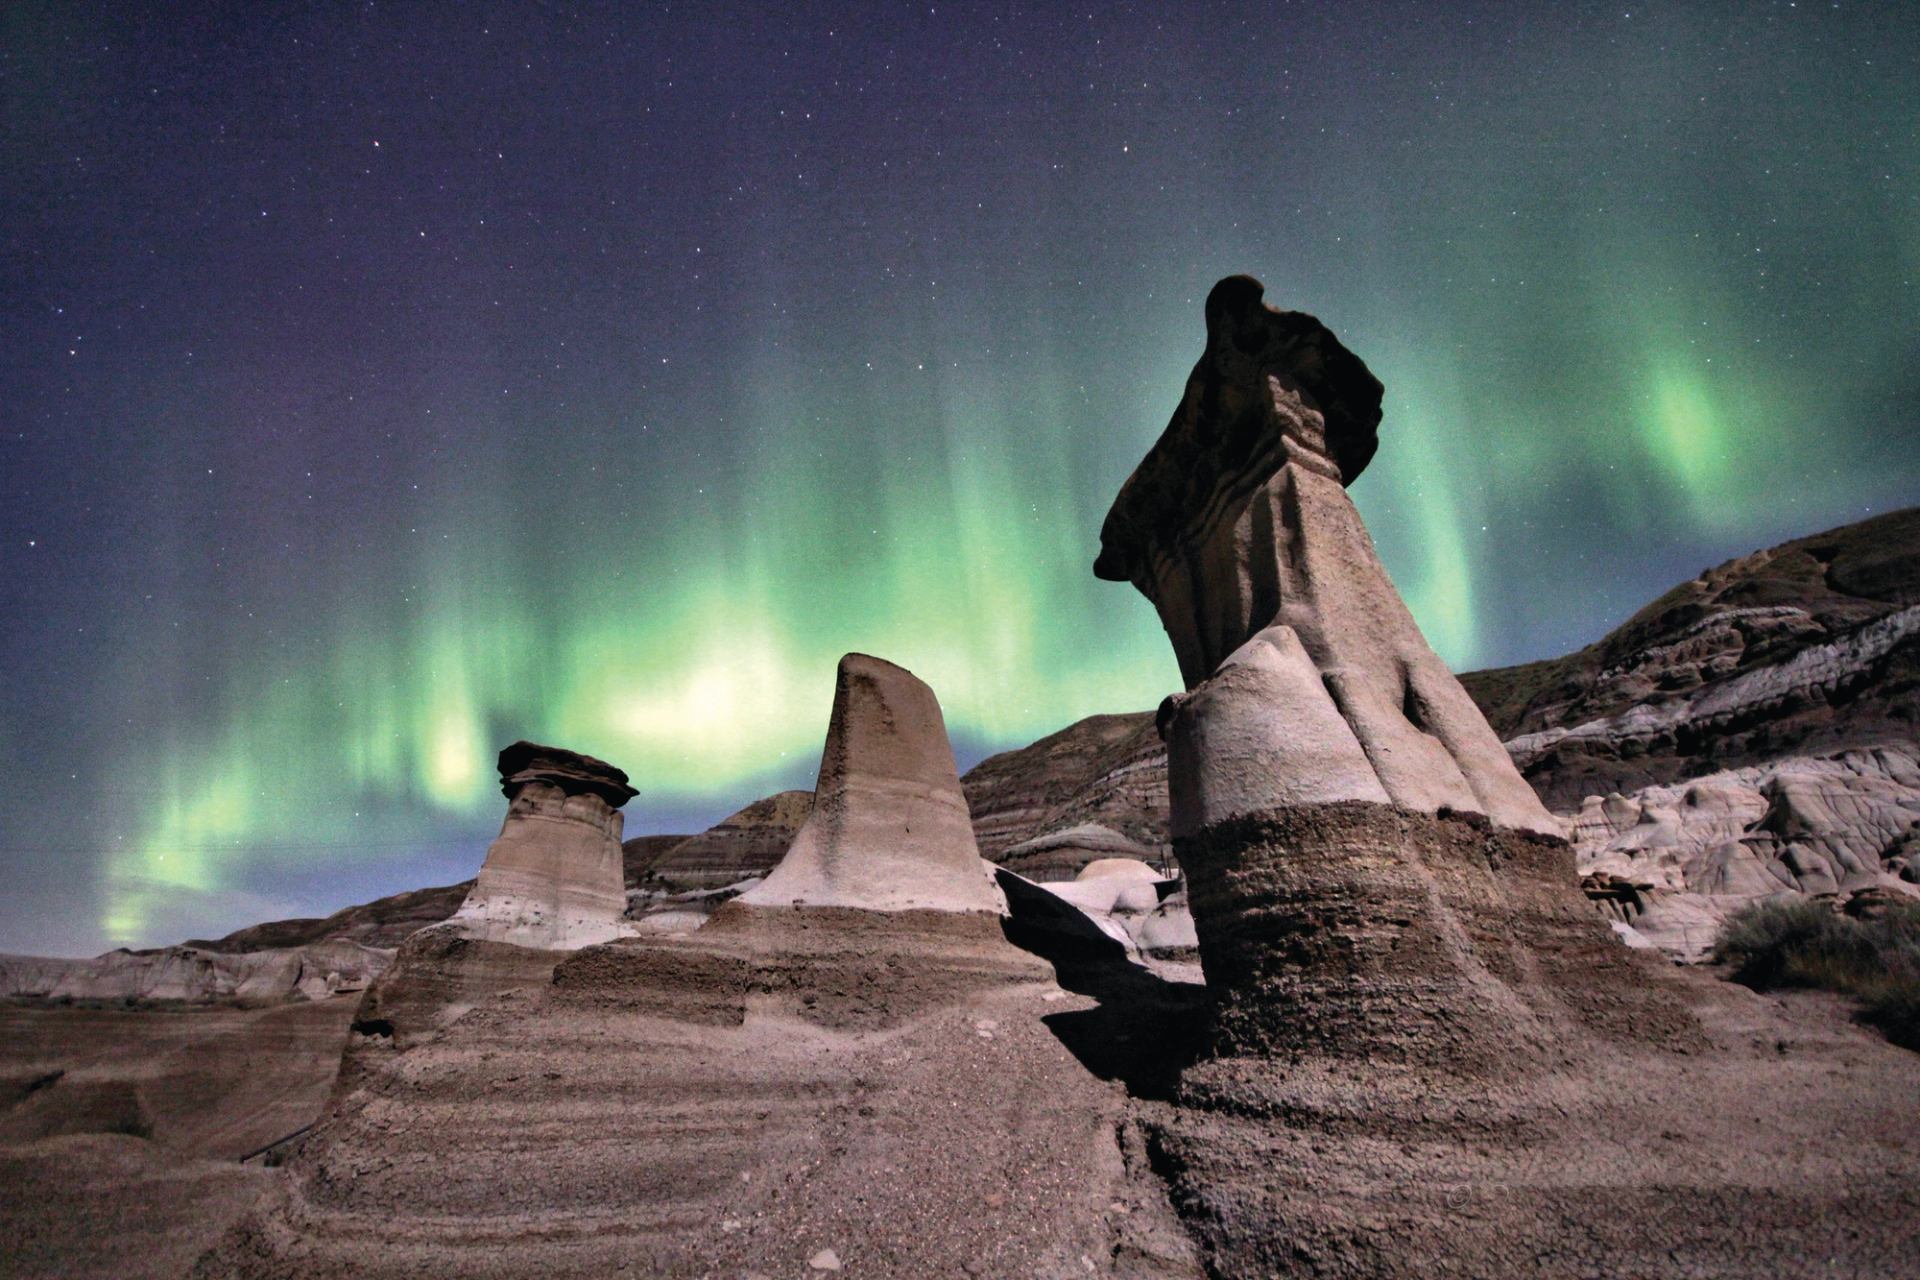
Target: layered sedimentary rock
[[744, 844], [1802, 649], [220, 1082], [553, 879], [196, 975], [1308, 680], [1106, 770], [639, 854], [1063, 854], [889, 830], [1748, 735], [808, 1073], [1419, 1024]]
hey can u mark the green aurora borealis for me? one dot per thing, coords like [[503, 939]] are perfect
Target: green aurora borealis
[[639, 373]]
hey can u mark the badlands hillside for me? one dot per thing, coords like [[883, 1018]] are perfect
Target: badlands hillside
[[1297, 975]]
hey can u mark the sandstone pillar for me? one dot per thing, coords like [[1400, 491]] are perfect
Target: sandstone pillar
[[889, 829], [553, 878]]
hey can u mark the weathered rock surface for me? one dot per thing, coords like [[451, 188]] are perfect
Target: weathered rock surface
[[1799, 650], [554, 877], [190, 974], [1419, 1024], [1752, 733], [216, 1083], [889, 829], [382, 923], [748, 843], [785, 1082], [1308, 680], [1674, 861], [1105, 770], [1065, 854], [639, 854]]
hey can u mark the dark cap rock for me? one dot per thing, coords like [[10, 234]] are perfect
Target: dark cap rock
[[573, 773], [1226, 437]]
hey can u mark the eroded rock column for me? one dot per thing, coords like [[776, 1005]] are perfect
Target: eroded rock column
[[1370, 877], [889, 829], [552, 879]]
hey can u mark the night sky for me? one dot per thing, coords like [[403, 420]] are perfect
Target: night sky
[[380, 384]]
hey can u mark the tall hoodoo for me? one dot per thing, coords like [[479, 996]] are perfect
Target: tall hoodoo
[[552, 879], [1308, 680], [889, 829]]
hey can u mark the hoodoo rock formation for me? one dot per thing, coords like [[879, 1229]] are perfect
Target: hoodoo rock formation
[[1419, 1025], [889, 829], [1308, 680], [553, 878], [1317, 718]]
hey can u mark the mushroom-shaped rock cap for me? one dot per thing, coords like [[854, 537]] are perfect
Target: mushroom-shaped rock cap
[[573, 773], [1226, 437]]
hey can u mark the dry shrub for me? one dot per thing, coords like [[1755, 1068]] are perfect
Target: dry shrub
[[1806, 944]]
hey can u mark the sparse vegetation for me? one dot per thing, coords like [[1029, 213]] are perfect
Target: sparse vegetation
[[1805, 944]]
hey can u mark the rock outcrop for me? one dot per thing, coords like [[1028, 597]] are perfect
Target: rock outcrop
[[1105, 770], [1673, 862], [192, 974], [1308, 680], [889, 830], [553, 879], [1064, 854], [1803, 649], [1751, 734], [1418, 1021], [744, 844]]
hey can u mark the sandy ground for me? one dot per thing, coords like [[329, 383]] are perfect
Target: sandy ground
[[121, 1130], [734, 1106], [761, 1105]]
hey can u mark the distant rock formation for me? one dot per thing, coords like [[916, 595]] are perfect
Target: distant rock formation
[[1800, 650], [1750, 734], [1308, 680], [1110, 770], [553, 878], [193, 974], [383, 923], [748, 843], [1066, 854], [639, 854], [889, 830]]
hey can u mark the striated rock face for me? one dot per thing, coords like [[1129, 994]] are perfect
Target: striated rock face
[[553, 879], [192, 975], [748, 843], [1798, 650], [639, 854], [1067, 854], [1749, 734], [383, 923], [1108, 770], [1308, 680], [889, 830]]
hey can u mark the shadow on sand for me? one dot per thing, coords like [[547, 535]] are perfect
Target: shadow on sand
[[1144, 1029]]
